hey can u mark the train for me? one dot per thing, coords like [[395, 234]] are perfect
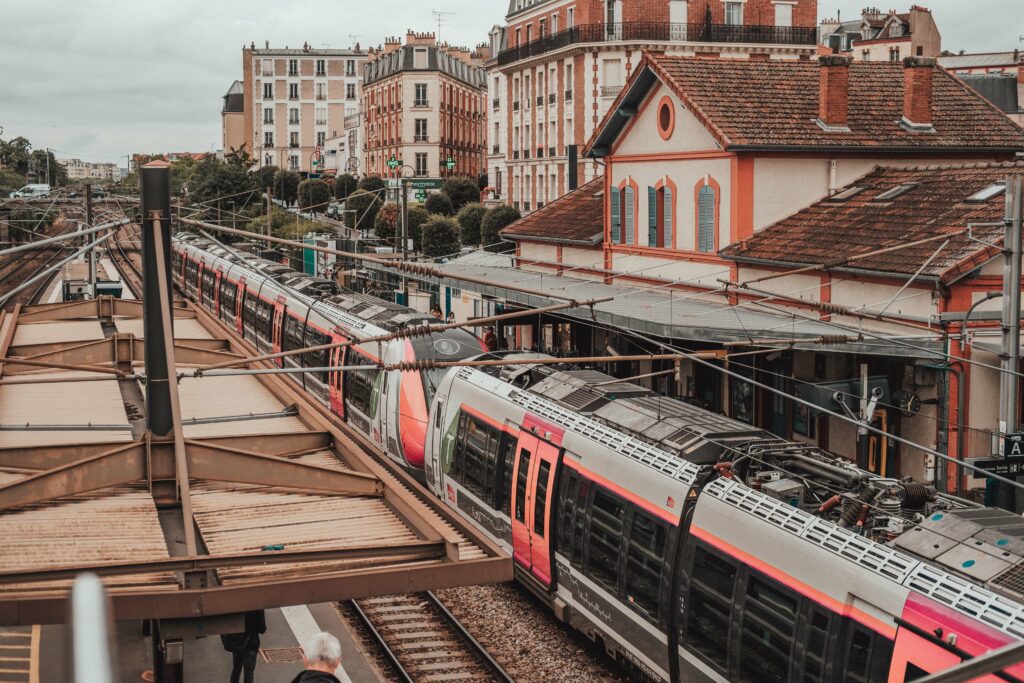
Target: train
[[692, 546], [278, 309]]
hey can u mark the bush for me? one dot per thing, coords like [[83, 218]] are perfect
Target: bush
[[314, 195], [469, 218], [494, 220], [461, 191], [371, 183], [440, 236], [417, 217], [439, 203], [366, 207], [482, 181], [344, 185], [386, 224], [265, 177], [286, 186]]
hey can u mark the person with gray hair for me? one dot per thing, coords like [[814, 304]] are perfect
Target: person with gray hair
[[321, 655]]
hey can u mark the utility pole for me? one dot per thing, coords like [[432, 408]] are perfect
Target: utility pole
[[405, 236], [92, 252], [1010, 356]]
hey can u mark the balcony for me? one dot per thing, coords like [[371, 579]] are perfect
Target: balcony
[[423, 104], [657, 31], [610, 90], [419, 138]]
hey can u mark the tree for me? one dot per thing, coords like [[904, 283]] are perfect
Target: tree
[[386, 224], [344, 185], [417, 217], [265, 177], [215, 180], [482, 181], [284, 224], [239, 157], [15, 154], [286, 185], [371, 183], [469, 218], [183, 173], [494, 220], [461, 191], [10, 180], [314, 195], [44, 168], [366, 206], [439, 203], [440, 236]]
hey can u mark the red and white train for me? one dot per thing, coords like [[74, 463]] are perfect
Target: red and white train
[[280, 310], [693, 546]]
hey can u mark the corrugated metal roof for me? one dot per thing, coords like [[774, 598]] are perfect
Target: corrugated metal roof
[[70, 404], [184, 328], [229, 397], [30, 334], [984, 59]]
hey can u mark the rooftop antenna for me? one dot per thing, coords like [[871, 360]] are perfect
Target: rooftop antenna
[[440, 16], [352, 38]]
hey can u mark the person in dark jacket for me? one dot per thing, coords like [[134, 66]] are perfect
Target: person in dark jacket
[[490, 339], [322, 657], [244, 647]]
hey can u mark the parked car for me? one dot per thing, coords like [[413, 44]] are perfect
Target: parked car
[[29, 191]]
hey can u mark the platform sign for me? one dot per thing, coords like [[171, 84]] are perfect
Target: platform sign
[[1013, 445], [425, 183]]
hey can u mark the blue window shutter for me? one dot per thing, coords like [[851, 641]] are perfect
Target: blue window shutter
[[668, 218], [652, 217], [616, 216], [706, 220], [630, 200]]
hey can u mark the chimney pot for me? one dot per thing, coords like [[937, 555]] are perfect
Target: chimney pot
[[834, 96], [918, 73]]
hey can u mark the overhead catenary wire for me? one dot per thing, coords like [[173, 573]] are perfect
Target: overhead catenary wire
[[51, 269]]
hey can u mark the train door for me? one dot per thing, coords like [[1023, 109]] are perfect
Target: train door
[[277, 328], [216, 293], [534, 476], [336, 378], [240, 306]]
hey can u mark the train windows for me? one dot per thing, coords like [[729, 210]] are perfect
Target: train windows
[[316, 359], [580, 525], [602, 564], [228, 297], [570, 481], [645, 557], [767, 633], [249, 311], [521, 477], [817, 646], [506, 455], [208, 284], [476, 457], [913, 673], [708, 606], [359, 384], [264, 316], [868, 656], [292, 337], [540, 498]]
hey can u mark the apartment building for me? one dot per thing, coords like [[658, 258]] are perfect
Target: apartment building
[[559, 64], [297, 98], [878, 36], [425, 104], [82, 170]]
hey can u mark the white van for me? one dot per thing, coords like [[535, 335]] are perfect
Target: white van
[[29, 191]]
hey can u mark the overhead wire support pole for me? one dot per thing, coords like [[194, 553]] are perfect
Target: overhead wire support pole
[[62, 238], [1009, 386]]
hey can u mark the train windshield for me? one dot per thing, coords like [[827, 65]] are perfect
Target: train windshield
[[455, 345]]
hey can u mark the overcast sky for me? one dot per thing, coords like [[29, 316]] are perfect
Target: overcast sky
[[104, 78]]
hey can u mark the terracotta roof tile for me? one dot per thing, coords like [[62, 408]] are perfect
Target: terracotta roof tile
[[935, 205], [775, 104], [576, 217]]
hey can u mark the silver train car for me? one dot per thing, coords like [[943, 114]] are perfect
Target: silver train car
[[278, 309], [698, 548]]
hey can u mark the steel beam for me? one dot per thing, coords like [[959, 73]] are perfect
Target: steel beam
[[103, 307]]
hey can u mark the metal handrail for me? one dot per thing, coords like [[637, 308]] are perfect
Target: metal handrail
[[90, 634]]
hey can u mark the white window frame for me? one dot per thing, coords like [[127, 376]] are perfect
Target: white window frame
[[779, 4], [733, 4]]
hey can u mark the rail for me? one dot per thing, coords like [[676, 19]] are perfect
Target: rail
[[661, 31]]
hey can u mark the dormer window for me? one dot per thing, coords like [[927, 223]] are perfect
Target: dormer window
[[988, 193], [895, 192]]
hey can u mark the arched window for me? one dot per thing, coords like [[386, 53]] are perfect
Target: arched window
[[660, 214], [707, 217]]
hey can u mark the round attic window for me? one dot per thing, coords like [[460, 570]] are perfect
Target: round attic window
[[666, 117]]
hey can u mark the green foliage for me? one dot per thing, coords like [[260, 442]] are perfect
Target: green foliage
[[440, 236], [417, 217], [344, 185], [371, 183], [286, 185], [15, 154], [469, 218], [366, 206], [265, 177], [284, 224], [10, 180], [183, 174], [239, 158], [439, 203], [314, 195], [461, 191], [214, 180], [482, 181], [494, 220], [386, 224]]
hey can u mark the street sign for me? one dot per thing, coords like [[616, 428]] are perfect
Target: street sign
[[1013, 445], [1004, 467], [425, 183]]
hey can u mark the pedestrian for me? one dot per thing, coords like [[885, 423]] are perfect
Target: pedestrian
[[451, 317], [321, 656], [436, 312], [244, 647], [490, 339]]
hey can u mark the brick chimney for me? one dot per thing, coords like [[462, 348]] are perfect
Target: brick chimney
[[834, 97], [917, 92]]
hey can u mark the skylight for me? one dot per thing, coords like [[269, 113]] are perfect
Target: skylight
[[988, 193], [848, 193], [895, 192]]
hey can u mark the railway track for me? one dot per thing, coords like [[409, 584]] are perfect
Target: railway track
[[19, 268], [124, 254], [423, 641]]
